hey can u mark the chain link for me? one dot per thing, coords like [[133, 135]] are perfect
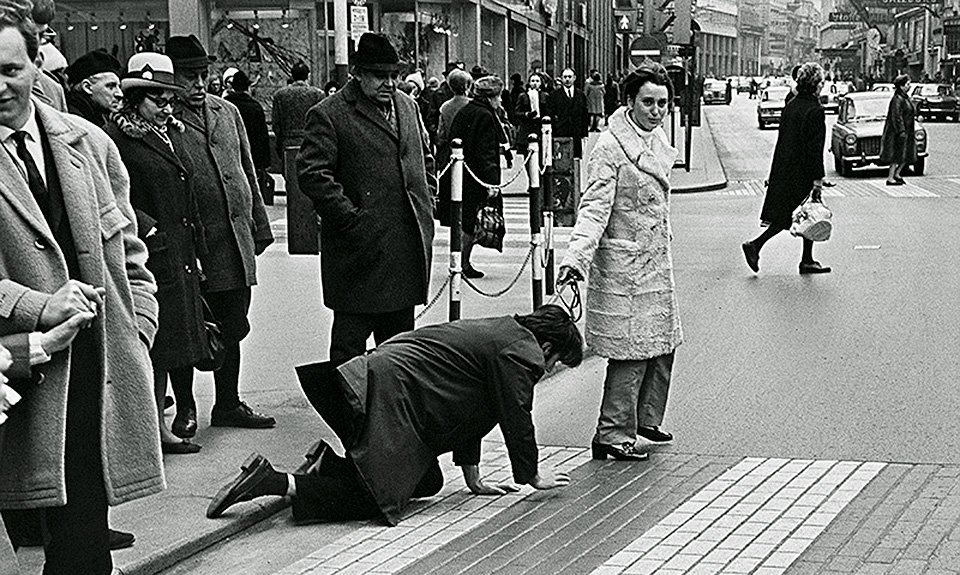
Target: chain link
[[512, 283], [501, 185], [435, 299]]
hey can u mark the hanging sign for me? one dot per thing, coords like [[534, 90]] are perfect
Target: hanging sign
[[359, 24]]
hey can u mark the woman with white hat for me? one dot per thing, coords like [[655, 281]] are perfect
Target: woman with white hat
[[168, 222]]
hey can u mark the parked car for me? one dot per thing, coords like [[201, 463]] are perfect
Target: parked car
[[714, 91], [855, 139], [744, 84], [935, 101], [829, 97], [770, 106], [882, 87]]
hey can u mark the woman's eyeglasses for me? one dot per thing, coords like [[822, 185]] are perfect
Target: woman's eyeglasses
[[160, 101]]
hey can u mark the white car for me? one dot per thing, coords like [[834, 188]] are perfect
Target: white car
[[830, 97]]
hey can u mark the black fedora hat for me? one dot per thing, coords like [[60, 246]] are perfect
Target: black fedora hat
[[375, 52], [187, 52]]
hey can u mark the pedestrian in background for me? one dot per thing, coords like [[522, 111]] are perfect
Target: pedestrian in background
[[528, 113], [364, 162], [167, 221], [216, 153], [478, 127], [290, 106], [622, 236], [94, 81], [611, 99], [797, 168], [516, 90], [330, 88], [898, 145], [595, 92], [255, 123], [567, 108], [461, 83]]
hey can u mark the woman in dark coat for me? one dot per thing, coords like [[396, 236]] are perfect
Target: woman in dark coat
[[167, 221], [797, 168], [423, 393], [898, 146], [478, 127], [527, 112], [611, 98]]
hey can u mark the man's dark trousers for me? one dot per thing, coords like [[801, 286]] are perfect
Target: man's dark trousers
[[348, 338]]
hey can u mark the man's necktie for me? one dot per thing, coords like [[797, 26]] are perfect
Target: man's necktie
[[34, 180]]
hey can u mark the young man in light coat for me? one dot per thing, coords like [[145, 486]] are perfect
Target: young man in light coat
[[86, 437], [622, 237]]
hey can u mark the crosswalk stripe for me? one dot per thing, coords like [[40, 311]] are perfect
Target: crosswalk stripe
[[904, 191]]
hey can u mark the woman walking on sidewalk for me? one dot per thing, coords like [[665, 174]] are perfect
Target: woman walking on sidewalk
[[623, 237], [797, 168]]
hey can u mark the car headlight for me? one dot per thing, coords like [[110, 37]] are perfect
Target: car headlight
[[850, 140], [921, 135]]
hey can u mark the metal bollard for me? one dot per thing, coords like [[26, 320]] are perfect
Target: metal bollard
[[547, 185], [456, 225], [536, 205]]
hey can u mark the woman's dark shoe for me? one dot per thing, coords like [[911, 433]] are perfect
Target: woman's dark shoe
[[624, 452], [472, 273], [121, 539], [253, 481], [899, 179], [752, 254], [240, 416], [813, 268], [185, 423], [179, 448], [895, 183], [654, 434], [167, 402]]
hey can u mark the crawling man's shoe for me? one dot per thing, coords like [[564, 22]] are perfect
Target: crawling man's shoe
[[256, 479]]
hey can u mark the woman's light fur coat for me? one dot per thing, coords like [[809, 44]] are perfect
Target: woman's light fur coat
[[622, 237]]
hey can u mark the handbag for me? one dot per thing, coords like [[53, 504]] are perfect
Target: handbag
[[812, 221], [490, 228], [215, 350]]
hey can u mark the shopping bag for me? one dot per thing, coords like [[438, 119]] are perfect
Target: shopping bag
[[813, 221]]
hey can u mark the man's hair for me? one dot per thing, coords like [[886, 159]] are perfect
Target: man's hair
[[299, 72], [809, 77], [552, 324], [25, 25], [647, 72], [459, 81]]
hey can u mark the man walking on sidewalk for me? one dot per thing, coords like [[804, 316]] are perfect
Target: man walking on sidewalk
[[364, 162], [567, 108]]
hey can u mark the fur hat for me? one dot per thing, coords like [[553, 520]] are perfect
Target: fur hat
[[92, 63], [488, 86], [375, 52]]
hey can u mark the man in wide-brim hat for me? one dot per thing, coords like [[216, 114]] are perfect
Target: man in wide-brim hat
[[236, 229], [364, 162]]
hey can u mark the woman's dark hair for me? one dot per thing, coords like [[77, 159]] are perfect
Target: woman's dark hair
[[330, 84], [552, 324], [650, 72], [133, 97], [809, 77]]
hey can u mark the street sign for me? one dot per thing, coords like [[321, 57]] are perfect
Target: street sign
[[843, 17], [359, 25], [644, 47], [626, 21]]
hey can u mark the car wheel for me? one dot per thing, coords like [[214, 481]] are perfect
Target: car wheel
[[919, 166], [837, 164], [845, 170], [761, 124]]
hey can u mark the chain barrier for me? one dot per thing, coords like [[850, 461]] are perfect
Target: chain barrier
[[504, 184], [575, 307], [435, 299], [523, 267]]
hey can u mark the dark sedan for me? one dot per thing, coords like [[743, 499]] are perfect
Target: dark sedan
[[855, 141], [935, 101]]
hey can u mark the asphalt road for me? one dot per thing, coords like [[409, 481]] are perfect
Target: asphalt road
[[746, 150]]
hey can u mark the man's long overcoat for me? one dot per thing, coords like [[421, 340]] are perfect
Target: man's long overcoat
[[373, 185], [623, 237], [95, 192], [437, 389]]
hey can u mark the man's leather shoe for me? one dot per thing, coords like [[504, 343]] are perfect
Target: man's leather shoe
[[813, 268], [654, 434], [240, 416], [244, 487], [623, 452], [185, 423], [179, 448], [752, 254], [121, 539]]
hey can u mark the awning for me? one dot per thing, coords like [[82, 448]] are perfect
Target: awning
[[717, 29]]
